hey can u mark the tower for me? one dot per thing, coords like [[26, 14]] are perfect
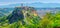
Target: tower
[[21, 4]]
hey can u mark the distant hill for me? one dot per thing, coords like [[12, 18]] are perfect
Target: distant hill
[[37, 5], [42, 11], [5, 11]]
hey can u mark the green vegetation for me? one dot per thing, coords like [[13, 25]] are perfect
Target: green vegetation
[[48, 21]]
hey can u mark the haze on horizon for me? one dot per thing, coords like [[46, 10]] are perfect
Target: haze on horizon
[[9, 2]]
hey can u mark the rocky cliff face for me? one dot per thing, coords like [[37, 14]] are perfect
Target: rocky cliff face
[[20, 13]]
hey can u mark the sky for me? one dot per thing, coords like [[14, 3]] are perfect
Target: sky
[[8, 2], [5, 2]]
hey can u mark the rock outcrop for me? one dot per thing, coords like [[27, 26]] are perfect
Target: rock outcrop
[[20, 13]]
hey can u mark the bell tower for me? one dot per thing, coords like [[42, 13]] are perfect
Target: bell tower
[[21, 4]]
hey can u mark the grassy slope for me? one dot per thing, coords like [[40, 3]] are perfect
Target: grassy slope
[[48, 21]]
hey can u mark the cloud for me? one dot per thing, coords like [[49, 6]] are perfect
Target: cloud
[[50, 1], [1, 4], [8, 3]]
